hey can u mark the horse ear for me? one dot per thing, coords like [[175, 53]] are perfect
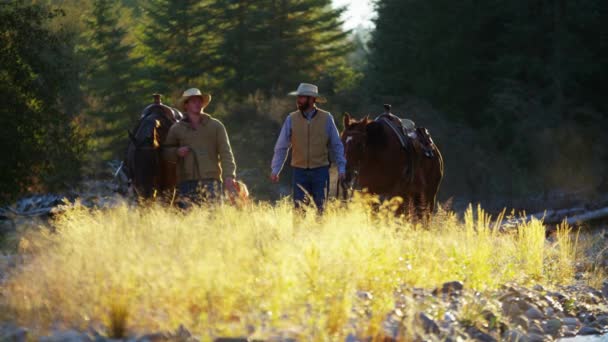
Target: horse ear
[[347, 119]]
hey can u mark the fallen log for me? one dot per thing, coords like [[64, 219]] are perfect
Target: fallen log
[[555, 216], [588, 216]]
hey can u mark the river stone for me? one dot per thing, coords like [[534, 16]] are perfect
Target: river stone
[[449, 317], [536, 328], [589, 331], [513, 335], [428, 324], [12, 333], [538, 288], [67, 336], [449, 288], [534, 313], [535, 337], [552, 326], [570, 321], [521, 321], [511, 309], [478, 335]]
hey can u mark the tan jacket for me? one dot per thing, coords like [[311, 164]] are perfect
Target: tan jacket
[[210, 153], [309, 140]]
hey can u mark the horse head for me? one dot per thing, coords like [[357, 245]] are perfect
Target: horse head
[[356, 137], [144, 151]]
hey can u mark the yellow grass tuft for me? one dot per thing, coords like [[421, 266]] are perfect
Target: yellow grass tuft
[[220, 271]]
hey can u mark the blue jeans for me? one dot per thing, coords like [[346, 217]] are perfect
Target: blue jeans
[[311, 183], [198, 192]]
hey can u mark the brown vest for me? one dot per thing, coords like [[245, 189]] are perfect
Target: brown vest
[[309, 140]]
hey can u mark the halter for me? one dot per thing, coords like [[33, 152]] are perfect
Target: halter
[[355, 171]]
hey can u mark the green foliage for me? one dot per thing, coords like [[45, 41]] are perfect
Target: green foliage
[[181, 39], [521, 73], [111, 78], [274, 44], [42, 144]]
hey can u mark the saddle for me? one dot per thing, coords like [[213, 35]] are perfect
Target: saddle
[[170, 113], [407, 131]]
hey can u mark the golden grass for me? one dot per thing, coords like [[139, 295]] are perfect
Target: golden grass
[[220, 272]]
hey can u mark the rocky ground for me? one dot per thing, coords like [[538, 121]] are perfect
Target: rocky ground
[[448, 313]]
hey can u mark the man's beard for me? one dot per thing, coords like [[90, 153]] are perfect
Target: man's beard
[[305, 106]]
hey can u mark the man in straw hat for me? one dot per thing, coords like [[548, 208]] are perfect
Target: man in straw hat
[[312, 135], [200, 146]]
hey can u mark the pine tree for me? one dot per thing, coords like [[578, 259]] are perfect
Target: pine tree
[[181, 38], [274, 44], [41, 141], [111, 79]]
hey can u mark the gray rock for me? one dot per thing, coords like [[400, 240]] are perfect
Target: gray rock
[[605, 289], [449, 317], [534, 313], [586, 317], [589, 331], [570, 321], [449, 288], [552, 326], [511, 309], [521, 321], [428, 324], [569, 333], [351, 338], [602, 320], [12, 333], [363, 295], [67, 336], [536, 328], [513, 335], [538, 288], [535, 337], [478, 335]]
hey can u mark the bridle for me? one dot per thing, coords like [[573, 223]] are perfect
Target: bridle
[[352, 183]]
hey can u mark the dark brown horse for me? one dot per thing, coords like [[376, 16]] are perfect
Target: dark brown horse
[[149, 173], [376, 161]]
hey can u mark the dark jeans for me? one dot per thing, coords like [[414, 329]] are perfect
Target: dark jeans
[[198, 192], [311, 183]]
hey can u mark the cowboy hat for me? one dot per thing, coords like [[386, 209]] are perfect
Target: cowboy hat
[[307, 89], [206, 98]]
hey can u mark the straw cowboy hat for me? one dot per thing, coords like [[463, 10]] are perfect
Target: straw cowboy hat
[[307, 89], [206, 98]]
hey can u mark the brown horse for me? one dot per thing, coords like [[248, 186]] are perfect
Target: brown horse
[[376, 161], [149, 173]]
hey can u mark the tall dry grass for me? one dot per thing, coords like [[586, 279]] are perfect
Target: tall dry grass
[[227, 271]]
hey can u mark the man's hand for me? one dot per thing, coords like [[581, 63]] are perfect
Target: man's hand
[[230, 184], [274, 178], [183, 151]]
